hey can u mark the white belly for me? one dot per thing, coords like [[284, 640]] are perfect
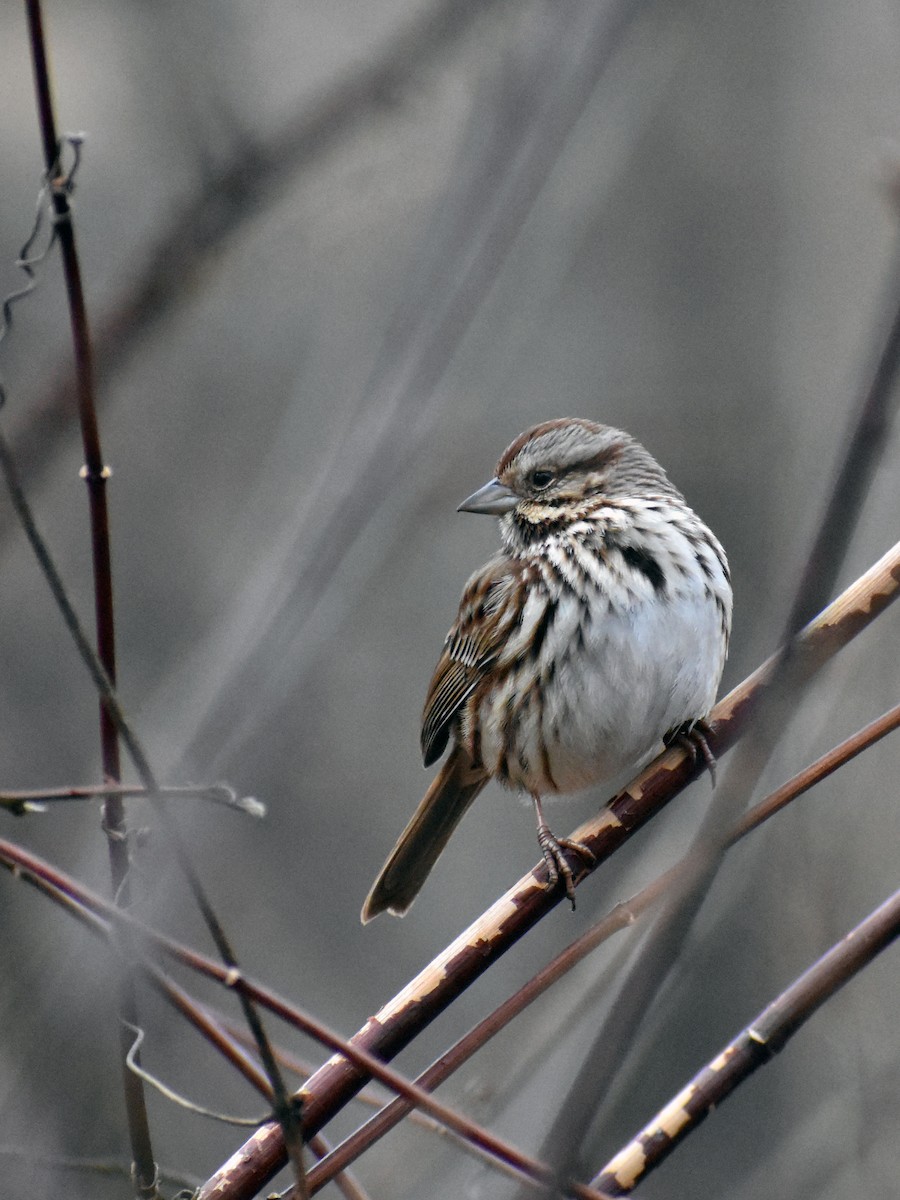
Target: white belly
[[621, 682]]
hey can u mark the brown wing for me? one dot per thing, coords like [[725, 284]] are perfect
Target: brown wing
[[482, 624]]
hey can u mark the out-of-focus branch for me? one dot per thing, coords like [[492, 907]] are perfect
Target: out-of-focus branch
[[519, 127], [870, 422], [756, 1045], [231, 194], [102, 1167]]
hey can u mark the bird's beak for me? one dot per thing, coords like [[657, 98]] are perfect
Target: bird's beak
[[494, 499]]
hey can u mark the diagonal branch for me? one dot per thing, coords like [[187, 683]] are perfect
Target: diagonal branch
[[756, 1045]]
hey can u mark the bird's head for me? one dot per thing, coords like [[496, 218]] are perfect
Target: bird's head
[[560, 471]]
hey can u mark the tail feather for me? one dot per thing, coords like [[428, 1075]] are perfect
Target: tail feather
[[420, 844]]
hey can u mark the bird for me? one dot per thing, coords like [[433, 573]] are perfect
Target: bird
[[595, 636]]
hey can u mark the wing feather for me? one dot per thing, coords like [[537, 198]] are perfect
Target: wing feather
[[482, 624]]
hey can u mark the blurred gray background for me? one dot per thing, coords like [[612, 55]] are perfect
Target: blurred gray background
[[337, 256]]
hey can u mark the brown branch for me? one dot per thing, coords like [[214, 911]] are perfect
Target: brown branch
[[102, 664], [349, 1187], [756, 1045], [622, 916], [303, 1068]]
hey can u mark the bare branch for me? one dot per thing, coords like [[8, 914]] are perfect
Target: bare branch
[[756, 1045], [473, 953]]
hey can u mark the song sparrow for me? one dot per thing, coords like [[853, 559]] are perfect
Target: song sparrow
[[599, 629]]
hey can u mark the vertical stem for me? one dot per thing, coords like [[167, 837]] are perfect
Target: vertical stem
[[95, 474]]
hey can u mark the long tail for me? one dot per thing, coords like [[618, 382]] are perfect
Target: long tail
[[420, 844]]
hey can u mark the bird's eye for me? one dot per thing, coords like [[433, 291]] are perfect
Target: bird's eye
[[541, 479]]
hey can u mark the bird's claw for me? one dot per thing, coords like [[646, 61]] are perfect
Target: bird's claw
[[553, 850], [693, 736]]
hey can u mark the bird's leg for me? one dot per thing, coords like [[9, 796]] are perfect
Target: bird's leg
[[693, 735], [553, 849]]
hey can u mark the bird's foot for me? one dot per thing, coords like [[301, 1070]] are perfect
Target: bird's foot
[[553, 850], [693, 736]]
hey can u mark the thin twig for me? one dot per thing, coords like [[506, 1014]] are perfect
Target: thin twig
[[283, 1103], [120, 1168], [497, 930], [103, 920], [25, 800], [30, 258], [349, 1187], [102, 664], [133, 1063], [756, 1045]]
